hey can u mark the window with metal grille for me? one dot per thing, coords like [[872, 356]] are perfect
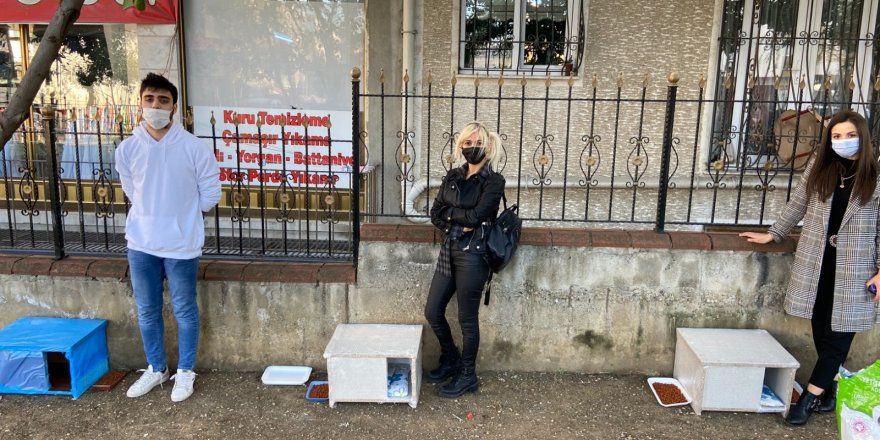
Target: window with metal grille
[[785, 66], [541, 37]]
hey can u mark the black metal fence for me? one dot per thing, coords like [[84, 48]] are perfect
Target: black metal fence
[[576, 152], [609, 153], [61, 195]]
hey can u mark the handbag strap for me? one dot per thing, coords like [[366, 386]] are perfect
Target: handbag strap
[[489, 281], [488, 289]]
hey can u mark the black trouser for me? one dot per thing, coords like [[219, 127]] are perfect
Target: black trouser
[[470, 272], [832, 347]]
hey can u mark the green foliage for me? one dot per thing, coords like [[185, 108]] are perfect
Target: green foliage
[[140, 5]]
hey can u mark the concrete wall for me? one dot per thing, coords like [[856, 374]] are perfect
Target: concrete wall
[[610, 307], [598, 309], [245, 325]]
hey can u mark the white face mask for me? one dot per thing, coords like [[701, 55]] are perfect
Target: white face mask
[[845, 148], [157, 118]]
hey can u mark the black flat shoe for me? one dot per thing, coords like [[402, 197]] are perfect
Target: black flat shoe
[[829, 399], [800, 413]]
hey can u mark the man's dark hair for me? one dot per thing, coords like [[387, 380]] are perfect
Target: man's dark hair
[[158, 82]]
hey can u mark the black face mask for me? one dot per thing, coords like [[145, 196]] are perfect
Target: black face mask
[[473, 155]]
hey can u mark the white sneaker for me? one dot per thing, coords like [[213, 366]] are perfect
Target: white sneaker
[[147, 382], [183, 385]]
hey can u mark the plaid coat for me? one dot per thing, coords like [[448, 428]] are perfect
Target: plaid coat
[[857, 257]]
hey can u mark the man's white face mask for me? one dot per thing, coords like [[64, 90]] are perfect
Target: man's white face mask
[[157, 118]]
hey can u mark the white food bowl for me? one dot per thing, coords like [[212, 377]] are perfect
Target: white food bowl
[[286, 375], [668, 380]]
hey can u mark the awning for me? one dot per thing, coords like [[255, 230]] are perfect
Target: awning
[[93, 11]]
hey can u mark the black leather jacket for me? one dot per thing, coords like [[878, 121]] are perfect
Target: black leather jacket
[[468, 203]]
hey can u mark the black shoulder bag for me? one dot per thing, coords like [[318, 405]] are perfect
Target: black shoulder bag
[[503, 239]]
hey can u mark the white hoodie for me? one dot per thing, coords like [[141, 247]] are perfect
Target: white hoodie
[[170, 183]]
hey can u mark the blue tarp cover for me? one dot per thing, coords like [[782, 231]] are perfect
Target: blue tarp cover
[[24, 343]]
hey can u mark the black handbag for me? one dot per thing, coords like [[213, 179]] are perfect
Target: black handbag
[[503, 239]]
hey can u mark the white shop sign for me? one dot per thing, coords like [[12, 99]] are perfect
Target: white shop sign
[[317, 157]]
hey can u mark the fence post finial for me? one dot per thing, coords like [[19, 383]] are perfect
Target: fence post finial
[[47, 112], [355, 74]]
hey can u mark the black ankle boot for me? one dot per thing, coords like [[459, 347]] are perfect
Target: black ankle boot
[[465, 382], [829, 399], [800, 413], [450, 365]]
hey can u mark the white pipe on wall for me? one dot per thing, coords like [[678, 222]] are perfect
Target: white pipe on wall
[[408, 64], [414, 192]]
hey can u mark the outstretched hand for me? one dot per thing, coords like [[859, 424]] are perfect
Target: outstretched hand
[[757, 237]]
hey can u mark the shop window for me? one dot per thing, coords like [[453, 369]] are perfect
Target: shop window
[[93, 83], [541, 37], [96, 66], [10, 66], [273, 54]]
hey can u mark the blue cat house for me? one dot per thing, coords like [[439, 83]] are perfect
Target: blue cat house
[[52, 355]]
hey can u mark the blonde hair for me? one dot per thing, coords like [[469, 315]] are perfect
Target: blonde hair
[[490, 140]]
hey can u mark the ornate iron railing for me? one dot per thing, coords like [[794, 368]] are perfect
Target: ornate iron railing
[[61, 194], [628, 153], [591, 152]]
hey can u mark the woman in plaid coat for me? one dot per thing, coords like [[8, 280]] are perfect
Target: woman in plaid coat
[[836, 263]]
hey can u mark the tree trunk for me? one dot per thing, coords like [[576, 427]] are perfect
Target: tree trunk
[[18, 109]]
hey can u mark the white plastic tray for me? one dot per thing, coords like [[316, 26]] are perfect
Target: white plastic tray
[[286, 375], [653, 380]]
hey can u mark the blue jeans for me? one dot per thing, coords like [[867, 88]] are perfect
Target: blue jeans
[[147, 275]]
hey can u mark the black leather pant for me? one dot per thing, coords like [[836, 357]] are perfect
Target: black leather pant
[[470, 272]]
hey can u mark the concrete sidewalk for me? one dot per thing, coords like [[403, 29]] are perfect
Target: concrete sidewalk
[[508, 406]]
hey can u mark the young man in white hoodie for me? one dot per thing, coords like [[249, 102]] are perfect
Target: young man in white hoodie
[[171, 178]]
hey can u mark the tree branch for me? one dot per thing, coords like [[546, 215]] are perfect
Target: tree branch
[[18, 109]]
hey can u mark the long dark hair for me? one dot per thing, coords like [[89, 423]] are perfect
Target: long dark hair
[[827, 168]]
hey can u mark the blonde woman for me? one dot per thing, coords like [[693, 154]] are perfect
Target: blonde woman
[[466, 203]]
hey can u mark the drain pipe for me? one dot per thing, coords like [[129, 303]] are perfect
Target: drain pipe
[[408, 32], [414, 192], [408, 36]]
